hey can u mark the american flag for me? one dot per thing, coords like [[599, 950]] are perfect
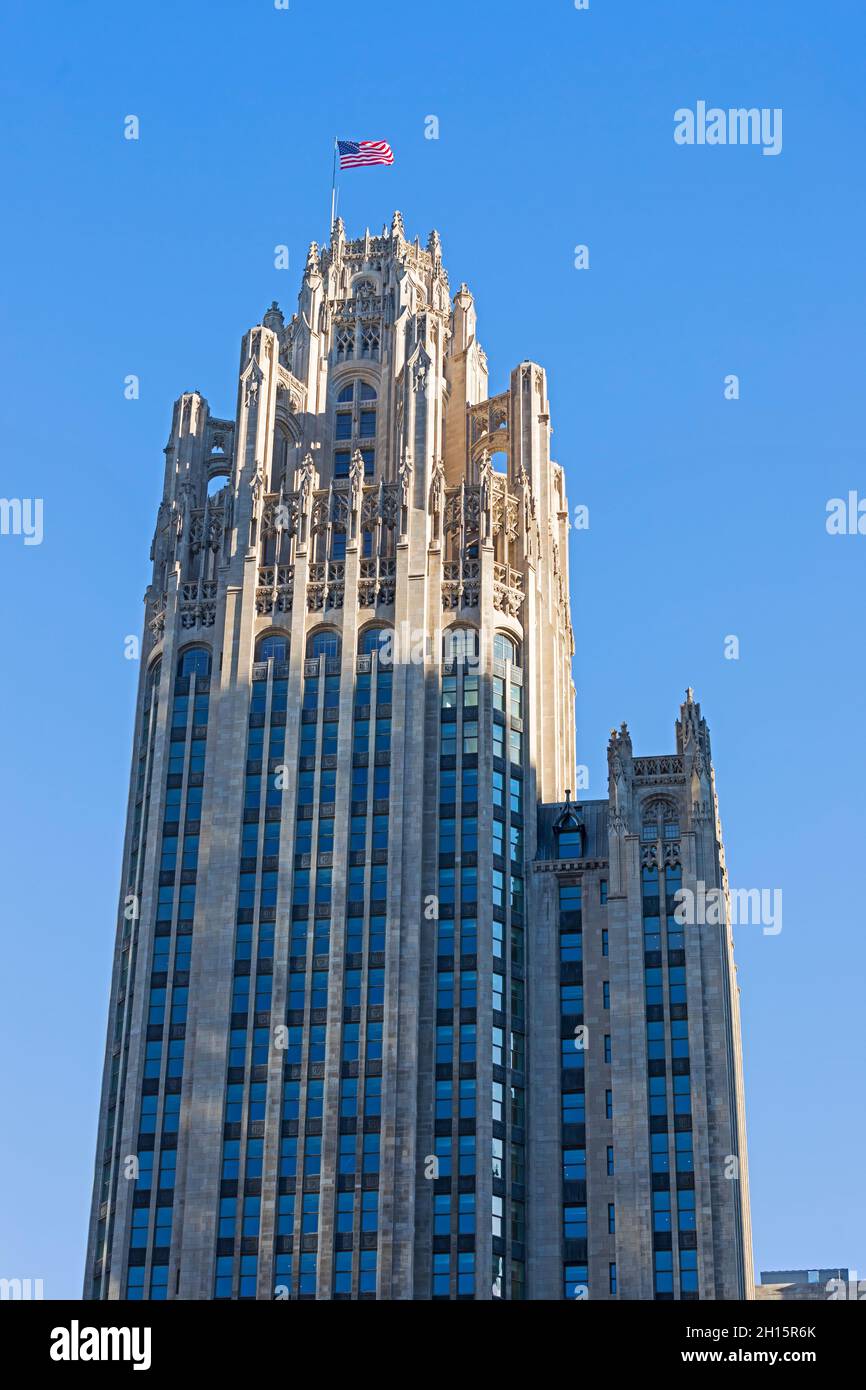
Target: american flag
[[357, 154]]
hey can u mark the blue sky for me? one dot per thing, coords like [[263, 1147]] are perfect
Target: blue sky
[[706, 515]]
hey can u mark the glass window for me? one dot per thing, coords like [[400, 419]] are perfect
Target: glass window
[[460, 644], [274, 647], [574, 1165], [325, 643], [574, 1108], [575, 1223], [376, 639], [575, 1280], [194, 661]]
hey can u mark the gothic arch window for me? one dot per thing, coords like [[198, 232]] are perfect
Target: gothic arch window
[[659, 820], [354, 427], [324, 642], [194, 660], [460, 644], [273, 646], [345, 345], [378, 639], [505, 648], [370, 343]]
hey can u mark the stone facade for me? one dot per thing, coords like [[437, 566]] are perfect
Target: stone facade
[[332, 1067], [662, 1065]]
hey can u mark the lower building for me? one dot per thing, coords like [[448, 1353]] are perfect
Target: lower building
[[639, 1178], [806, 1285]]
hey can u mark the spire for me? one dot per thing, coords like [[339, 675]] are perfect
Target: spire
[[692, 732], [273, 318], [397, 226], [313, 267], [568, 818], [620, 741], [464, 319], [434, 246]]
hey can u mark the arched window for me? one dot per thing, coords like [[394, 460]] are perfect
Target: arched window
[[354, 427], [460, 644], [273, 647], [506, 649], [377, 639], [660, 821], [325, 642], [194, 660]]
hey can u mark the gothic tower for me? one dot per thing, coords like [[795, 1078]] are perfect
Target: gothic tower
[[354, 723]]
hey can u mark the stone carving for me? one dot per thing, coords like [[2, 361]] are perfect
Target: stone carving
[[275, 590], [197, 605], [508, 592], [461, 585]]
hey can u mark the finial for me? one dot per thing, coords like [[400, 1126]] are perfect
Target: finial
[[397, 225], [313, 257]]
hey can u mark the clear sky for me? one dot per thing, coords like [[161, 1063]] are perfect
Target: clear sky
[[707, 515]]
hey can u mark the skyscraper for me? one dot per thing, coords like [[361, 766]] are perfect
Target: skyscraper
[[391, 1015]]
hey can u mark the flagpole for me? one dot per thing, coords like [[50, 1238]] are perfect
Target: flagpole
[[333, 191]]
